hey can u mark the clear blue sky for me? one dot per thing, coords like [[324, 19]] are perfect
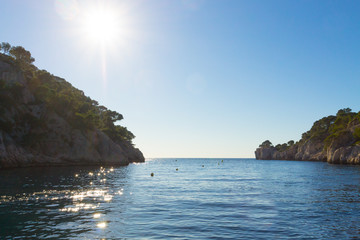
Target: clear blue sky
[[202, 78]]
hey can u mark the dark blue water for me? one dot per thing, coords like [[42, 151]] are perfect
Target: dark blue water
[[204, 199]]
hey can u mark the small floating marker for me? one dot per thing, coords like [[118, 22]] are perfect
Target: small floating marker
[[76, 175], [152, 174], [177, 169], [222, 160], [202, 165]]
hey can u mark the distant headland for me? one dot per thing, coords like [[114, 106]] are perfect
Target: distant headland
[[45, 121], [333, 139]]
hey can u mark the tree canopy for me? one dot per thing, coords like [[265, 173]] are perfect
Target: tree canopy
[[266, 144], [5, 47], [21, 55]]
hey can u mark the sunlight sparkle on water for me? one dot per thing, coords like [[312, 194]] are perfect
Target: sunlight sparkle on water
[[88, 194], [102, 225], [78, 207], [108, 198]]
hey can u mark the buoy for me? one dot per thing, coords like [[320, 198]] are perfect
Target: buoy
[[152, 174], [222, 160], [177, 169], [202, 165]]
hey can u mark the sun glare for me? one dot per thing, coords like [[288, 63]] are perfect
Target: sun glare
[[101, 25], [103, 28]]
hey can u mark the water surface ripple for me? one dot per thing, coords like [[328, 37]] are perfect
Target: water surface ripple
[[185, 199]]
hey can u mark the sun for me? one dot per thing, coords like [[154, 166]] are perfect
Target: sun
[[101, 25], [107, 25]]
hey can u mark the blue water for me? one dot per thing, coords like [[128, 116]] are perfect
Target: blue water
[[204, 199]]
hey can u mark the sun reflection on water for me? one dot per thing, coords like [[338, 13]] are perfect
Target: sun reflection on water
[[102, 225], [80, 199], [108, 198], [78, 207], [66, 197]]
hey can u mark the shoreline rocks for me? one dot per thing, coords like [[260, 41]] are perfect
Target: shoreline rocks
[[312, 151]]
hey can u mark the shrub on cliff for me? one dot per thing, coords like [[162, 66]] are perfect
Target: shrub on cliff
[[339, 131], [21, 55], [357, 135], [266, 144], [320, 129], [282, 147], [5, 47]]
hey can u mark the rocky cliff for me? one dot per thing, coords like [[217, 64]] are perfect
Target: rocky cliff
[[333, 139], [44, 121]]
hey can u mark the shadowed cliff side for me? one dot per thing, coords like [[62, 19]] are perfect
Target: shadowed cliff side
[[335, 139], [45, 121]]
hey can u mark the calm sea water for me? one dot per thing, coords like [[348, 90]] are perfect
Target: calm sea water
[[203, 199]]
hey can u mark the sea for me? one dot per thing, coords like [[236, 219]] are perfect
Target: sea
[[182, 199]]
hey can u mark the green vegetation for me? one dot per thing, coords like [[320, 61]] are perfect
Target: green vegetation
[[21, 55], [5, 47], [357, 135], [343, 129], [266, 144], [58, 95], [282, 147], [279, 147]]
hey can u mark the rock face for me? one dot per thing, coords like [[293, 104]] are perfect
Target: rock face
[[341, 155], [307, 152], [33, 135], [342, 149]]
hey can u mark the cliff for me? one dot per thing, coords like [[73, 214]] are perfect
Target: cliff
[[333, 139], [44, 121]]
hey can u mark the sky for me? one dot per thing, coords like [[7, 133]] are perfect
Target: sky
[[199, 78]]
